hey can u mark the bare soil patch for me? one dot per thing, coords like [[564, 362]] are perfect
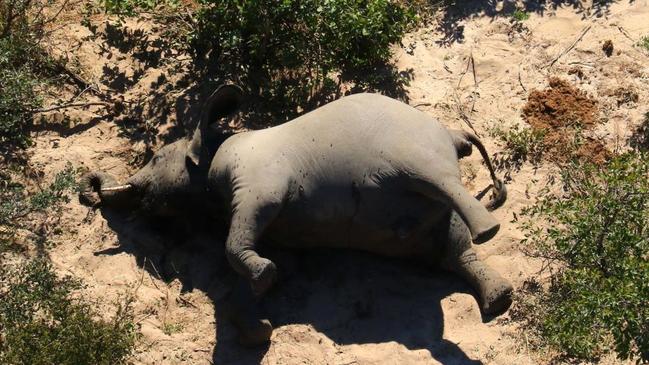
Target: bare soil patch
[[563, 112]]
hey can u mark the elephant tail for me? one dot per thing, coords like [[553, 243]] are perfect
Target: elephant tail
[[499, 189]]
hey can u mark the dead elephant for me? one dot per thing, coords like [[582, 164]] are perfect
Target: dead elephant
[[364, 172]]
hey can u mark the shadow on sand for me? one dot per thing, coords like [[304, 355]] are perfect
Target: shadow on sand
[[456, 12], [350, 297]]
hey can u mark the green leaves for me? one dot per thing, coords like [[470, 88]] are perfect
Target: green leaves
[[17, 97], [287, 53], [56, 192], [644, 43], [43, 318], [130, 7], [16, 204], [596, 234], [43, 321]]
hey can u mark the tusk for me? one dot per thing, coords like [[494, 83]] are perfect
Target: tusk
[[118, 188]]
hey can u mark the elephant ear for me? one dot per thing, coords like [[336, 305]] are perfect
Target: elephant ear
[[223, 102]]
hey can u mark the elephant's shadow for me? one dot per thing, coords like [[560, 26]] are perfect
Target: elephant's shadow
[[350, 297]]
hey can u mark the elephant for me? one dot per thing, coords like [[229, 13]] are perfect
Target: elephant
[[365, 172]]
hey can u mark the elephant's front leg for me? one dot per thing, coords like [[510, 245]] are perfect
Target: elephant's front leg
[[248, 223], [494, 292]]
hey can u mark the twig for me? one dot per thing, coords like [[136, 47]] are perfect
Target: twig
[[73, 105], [519, 78], [141, 277], [583, 33], [421, 104], [475, 79], [625, 33], [475, 85], [79, 94], [187, 302], [57, 13], [79, 80], [465, 71], [463, 115], [581, 64]]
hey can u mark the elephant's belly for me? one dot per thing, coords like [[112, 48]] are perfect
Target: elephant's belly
[[392, 223]]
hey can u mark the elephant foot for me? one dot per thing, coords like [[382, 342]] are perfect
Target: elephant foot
[[494, 291], [255, 333], [496, 296], [263, 276], [241, 309]]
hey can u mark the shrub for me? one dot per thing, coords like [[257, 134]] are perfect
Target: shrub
[[22, 61], [288, 52], [43, 319], [644, 42], [17, 97], [130, 7], [43, 322], [16, 204], [520, 15], [522, 144], [596, 238], [640, 137]]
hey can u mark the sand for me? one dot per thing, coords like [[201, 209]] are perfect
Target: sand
[[363, 309]]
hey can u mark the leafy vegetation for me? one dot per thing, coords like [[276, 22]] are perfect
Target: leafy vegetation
[[520, 15], [42, 321], [290, 53], [644, 42], [130, 7], [16, 204], [24, 65], [595, 237], [171, 328], [17, 76], [640, 137], [522, 144]]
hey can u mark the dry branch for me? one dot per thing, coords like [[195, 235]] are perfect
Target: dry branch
[[73, 105], [583, 33]]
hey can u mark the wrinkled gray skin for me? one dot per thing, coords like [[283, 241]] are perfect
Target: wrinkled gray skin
[[364, 172]]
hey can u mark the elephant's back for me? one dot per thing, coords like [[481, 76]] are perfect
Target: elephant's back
[[353, 131], [353, 116]]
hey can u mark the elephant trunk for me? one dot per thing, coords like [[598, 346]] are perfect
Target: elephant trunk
[[101, 188]]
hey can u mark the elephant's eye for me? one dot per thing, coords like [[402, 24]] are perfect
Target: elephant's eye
[[155, 159]]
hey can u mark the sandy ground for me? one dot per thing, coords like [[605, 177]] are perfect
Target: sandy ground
[[360, 309]]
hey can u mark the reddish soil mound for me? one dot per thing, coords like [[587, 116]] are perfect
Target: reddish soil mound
[[562, 112]]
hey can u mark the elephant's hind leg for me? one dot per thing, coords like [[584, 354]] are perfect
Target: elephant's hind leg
[[494, 292], [440, 180]]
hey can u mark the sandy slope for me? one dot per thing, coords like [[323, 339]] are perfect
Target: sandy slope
[[362, 309]]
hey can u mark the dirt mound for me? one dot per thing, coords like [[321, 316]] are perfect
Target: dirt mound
[[563, 112]]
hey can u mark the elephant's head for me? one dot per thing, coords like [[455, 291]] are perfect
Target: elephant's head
[[176, 174]]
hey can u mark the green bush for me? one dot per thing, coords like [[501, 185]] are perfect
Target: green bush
[[21, 63], [17, 97], [16, 204], [640, 138], [522, 144], [644, 42], [288, 52], [130, 7], [596, 238], [43, 321], [520, 15]]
